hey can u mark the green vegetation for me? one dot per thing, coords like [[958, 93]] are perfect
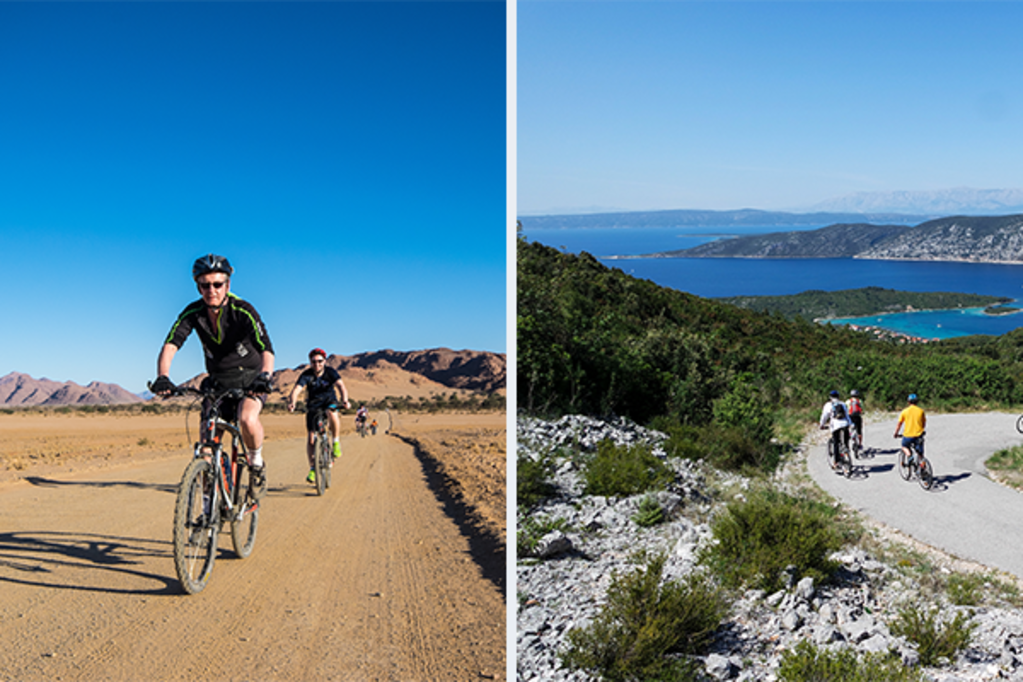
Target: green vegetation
[[643, 623], [620, 470], [1007, 466], [593, 340], [532, 480], [935, 640], [531, 531], [650, 512], [816, 304], [758, 537], [809, 663]]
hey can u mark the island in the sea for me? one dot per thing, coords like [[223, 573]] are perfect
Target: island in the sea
[[977, 239], [819, 305]]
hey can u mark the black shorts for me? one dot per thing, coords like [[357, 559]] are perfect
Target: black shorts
[[311, 412]]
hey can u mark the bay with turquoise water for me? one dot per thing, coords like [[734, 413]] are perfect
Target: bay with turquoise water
[[719, 277]]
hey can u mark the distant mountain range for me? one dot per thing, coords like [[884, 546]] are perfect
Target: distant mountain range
[[693, 218], [957, 201], [464, 369], [988, 239]]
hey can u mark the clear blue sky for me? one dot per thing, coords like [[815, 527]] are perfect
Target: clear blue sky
[[727, 105], [348, 158]]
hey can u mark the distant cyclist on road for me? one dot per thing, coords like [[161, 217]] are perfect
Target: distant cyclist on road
[[854, 408], [360, 417], [835, 416], [319, 381], [237, 349], [913, 421]]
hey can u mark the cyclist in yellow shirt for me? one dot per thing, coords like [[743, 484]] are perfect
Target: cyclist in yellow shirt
[[915, 422]]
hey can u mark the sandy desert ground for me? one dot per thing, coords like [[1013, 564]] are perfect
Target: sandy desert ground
[[397, 573]]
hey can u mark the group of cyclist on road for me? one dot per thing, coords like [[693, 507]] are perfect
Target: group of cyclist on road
[[845, 419], [239, 354]]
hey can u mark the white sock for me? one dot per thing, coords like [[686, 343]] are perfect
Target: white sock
[[256, 457]]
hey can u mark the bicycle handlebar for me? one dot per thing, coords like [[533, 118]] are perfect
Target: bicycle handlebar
[[213, 392]]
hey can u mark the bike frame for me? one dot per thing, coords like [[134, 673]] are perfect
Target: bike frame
[[226, 468]]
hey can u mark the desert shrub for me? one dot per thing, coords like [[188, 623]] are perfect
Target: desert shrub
[[935, 639], [648, 628], [532, 482], [622, 470], [531, 529], [757, 538], [650, 512], [809, 663]]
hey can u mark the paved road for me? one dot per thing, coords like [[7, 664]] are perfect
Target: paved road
[[965, 513]]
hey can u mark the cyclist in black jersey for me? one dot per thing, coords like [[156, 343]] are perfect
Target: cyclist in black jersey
[[236, 346], [319, 382]]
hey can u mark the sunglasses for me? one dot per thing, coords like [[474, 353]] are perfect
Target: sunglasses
[[206, 286]]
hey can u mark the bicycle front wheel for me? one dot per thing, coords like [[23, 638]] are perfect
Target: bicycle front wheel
[[327, 455], [195, 526], [844, 461], [320, 464], [246, 516], [926, 474]]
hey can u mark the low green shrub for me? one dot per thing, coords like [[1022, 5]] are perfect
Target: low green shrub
[[650, 512], [935, 639], [531, 529], [648, 628], [622, 470], [726, 448], [809, 663], [757, 538], [532, 482], [965, 589]]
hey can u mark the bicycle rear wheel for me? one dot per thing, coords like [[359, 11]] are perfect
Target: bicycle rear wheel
[[903, 465], [844, 461], [243, 530], [195, 526], [926, 476], [1019, 424], [319, 464]]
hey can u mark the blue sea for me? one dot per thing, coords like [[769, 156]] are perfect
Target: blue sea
[[717, 277]]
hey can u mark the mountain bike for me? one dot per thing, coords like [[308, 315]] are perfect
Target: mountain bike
[[914, 464], [323, 455], [360, 427], [216, 488], [856, 442], [840, 460]]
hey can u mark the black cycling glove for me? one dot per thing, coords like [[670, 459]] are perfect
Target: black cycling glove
[[262, 383], [162, 385]]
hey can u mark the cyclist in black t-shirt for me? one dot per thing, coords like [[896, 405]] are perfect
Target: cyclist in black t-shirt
[[236, 346], [319, 382]]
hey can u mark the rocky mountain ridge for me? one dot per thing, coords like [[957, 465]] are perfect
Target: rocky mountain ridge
[[981, 239], [467, 370]]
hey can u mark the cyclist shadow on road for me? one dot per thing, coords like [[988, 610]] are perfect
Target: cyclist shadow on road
[[54, 483], [941, 483], [41, 558]]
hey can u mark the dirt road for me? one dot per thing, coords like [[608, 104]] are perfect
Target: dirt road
[[374, 581]]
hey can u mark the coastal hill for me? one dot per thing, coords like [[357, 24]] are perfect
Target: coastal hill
[[982, 239], [369, 374]]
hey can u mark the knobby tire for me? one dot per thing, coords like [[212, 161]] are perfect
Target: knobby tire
[[195, 532], [926, 474], [320, 467], [1019, 424], [243, 530]]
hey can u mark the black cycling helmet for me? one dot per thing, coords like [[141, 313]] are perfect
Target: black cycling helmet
[[211, 263]]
